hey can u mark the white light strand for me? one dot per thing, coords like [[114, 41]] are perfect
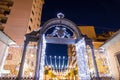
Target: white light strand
[[51, 61], [63, 62], [59, 63], [82, 67], [46, 60], [55, 62], [42, 58], [62, 69]]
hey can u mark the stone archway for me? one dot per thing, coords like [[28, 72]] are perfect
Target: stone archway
[[62, 31]]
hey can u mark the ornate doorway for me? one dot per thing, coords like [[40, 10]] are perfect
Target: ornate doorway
[[64, 32], [59, 31]]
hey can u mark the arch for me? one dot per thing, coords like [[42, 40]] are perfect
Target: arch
[[39, 36], [77, 39], [62, 21]]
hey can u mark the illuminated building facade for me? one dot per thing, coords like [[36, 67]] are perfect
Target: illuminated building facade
[[23, 19], [27, 19], [17, 19], [101, 58], [5, 42], [5, 10], [112, 49], [61, 34]]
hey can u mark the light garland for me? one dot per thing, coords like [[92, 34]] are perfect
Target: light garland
[[82, 66], [60, 68], [42, 58]]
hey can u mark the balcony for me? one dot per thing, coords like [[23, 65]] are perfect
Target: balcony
[[5, 12], [1, 28], [2, 11], [9, 3], [5, 6], [3, 3], [3, 18]]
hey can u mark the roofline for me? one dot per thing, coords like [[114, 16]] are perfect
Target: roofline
[[110, 39], [11, 40]]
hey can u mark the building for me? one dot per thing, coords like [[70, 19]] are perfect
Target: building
[[12, 64], [5, 42], [23, 19], [98, 40], [17, 19], [5, 6], [112, 49]]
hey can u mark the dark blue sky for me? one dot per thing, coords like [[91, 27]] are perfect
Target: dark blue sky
[[103, 14], [56, 50]]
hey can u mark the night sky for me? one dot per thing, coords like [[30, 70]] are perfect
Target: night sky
[[104, 15]]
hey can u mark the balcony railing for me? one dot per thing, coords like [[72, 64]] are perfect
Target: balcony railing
[[1, 28], [4, 9], [3, 18], [7, 2]]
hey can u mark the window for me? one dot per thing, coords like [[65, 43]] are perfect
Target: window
[[33, 5], [37, 25], [9, 57], [118, 58], [32, 12], [31, 20], [39, 13], [35, 1], [29, 28], [38, 19]]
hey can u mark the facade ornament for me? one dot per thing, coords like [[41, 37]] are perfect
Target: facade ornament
[[60, 32], [60, 15]]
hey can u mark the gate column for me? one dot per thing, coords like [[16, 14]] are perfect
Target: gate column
[[82, 64], [89, 42], [22, 60], [38, 59]]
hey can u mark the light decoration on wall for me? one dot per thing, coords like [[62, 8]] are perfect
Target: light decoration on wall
[[55, 62], [82, 63], [59, 67], [42, 62], [102, 62]]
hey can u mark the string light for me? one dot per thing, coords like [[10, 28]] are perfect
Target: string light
[[62, 68], [82, 66], [42, 58]]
